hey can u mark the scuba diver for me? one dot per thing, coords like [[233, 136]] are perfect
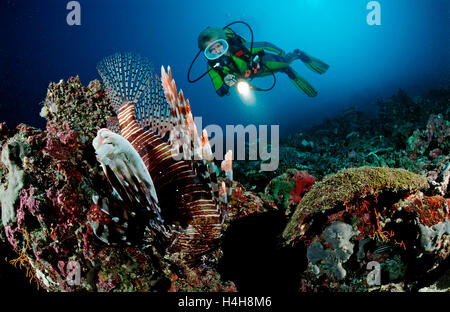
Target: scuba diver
[[231, 58]]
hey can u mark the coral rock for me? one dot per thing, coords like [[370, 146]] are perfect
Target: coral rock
[[375, 216]]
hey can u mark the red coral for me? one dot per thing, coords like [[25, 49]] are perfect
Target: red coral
[[96, 215], [304, 182], [88, 249], [339, 216], [243, 203], [60, 143], [55, 149], [430, 209]]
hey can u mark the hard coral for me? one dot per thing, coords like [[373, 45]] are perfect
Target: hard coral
[[376, 214], [289, 188], [70, 105], [354, 139], [351, 184]]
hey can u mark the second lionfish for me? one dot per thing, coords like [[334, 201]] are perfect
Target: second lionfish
[[165, 191]]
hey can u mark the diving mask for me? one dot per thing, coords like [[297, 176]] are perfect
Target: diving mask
[[216, 49]]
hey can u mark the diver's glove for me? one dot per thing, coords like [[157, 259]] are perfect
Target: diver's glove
[[230, 80]]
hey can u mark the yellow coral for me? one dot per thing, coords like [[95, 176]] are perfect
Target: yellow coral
[[24, 261]]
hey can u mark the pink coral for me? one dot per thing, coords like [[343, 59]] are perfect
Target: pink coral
[[10, 235], [106, 283], [27, 203]]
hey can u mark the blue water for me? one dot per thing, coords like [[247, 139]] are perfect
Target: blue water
[[409, 50]]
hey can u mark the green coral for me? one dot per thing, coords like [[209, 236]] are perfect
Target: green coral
[[282, 186], [349, 184]]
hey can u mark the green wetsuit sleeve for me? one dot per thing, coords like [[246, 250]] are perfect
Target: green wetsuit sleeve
[[219, 85], [263, 45]]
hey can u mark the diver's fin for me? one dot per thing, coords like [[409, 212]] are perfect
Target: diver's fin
[[312, 63], [301, 83]]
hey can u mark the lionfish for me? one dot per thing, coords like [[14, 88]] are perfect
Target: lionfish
[[161, 171]]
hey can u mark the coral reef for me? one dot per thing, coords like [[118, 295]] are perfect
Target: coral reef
[[47, 219], [71, 106], [95, 202], [355, 139], [244, 203], [354, 184], [57, 200], [361, 215]]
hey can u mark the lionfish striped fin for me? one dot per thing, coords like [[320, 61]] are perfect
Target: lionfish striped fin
[[125, 76], [184, 198], [129, 77], [212, 173], [227, 167], [187, 140], [153, 112], [184, 137]]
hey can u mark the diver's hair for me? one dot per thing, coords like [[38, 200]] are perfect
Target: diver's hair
[[209, 33]]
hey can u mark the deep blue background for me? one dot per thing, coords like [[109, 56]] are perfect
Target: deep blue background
[[409, 50]]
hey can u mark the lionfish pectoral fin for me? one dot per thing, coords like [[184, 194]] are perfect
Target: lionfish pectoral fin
[[135, 210], [144, 188]]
